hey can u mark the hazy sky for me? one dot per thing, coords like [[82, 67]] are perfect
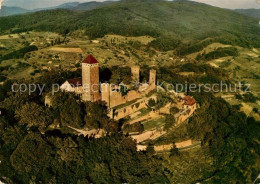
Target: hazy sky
[[232, 4]]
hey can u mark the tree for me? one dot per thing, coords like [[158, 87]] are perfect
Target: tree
[[136, 127], [32, 114], [68, 109], [174, 110], [255, 110], [96, 115], [4, 89], [72, 113], [151, 102], [150, 149], [223, 129], [121, 74], [174, 151], [170, 121], [31, 158], [162, 100]]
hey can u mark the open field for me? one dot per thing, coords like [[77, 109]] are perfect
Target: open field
[[7, 37], [122, 39], [60, 49], [53, 53], [207, 49], [154, 123]]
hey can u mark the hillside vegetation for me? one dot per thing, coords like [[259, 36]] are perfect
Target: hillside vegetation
[[175, 24], [250, 12]]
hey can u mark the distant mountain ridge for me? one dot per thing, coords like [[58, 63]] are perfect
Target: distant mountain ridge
[[76, 6], [175, 24], [91, 5], [67, 6], [250, 12], [7, 11]]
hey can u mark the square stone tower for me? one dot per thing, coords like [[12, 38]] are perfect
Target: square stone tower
[[90, 79], [135, 70], [152, 79]]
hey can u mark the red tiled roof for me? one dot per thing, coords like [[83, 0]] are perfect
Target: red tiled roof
[[90, 60], [75, 82], [189, 100]]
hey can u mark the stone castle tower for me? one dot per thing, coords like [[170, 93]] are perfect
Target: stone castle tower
[[152, 79], [90, 79], [135, 70]]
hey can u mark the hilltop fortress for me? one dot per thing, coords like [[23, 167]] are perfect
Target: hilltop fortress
[[90, 89], [121, 104]]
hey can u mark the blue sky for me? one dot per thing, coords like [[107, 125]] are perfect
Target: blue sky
[[232, 4]]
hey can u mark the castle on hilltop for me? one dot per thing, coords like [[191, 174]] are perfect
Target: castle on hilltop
[[90, 89]]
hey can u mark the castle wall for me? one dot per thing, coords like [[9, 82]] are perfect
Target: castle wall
[[126, 111], [132, 108], [189, 110], [105, 93], [116, 98]]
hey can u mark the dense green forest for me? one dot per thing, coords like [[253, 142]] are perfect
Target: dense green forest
[[31, 151], [185, 25]]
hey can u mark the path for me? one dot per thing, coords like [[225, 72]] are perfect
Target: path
[[167, 147], [152, 134], [97, 133]]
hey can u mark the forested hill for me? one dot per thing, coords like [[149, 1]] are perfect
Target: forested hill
[[171, 22], [6, 11]]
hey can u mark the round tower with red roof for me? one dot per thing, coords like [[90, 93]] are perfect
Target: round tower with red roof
[[90, 79]]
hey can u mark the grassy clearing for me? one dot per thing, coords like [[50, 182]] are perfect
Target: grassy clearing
[[153, 124]]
